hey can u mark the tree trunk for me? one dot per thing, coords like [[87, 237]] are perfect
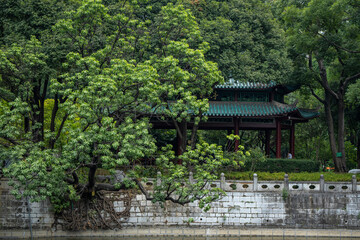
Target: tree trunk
[[330, 124], [38, 115], [193, 136], [53, 118], [184, 136], [357, 138], [26, 124], [181, 137], [91, 181], [340, 164], [341, 133]]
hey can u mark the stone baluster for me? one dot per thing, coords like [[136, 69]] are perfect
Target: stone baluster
[[255, 179], [158, 179], [286, 182], [191, 178], [354, 184], [322, 183], [222, 181]]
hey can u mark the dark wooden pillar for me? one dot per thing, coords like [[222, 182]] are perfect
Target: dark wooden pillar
[[236, 132], [267, 142], [292, 140], [278, 138]]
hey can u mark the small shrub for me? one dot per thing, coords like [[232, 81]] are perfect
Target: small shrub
[[285, 165], [256, 158], [190, 220]]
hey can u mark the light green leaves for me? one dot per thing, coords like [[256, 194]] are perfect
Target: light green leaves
[[112, 71], [190, 181], [33, 178]]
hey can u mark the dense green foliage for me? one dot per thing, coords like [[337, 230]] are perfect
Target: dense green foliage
[[63, 118], [245, 39], [79, 81], [284, 165], [325, 47], [303, 176]]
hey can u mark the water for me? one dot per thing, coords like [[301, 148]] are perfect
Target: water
[[208, 238], [193, 234]]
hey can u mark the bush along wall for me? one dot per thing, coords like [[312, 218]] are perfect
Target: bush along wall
[[284, 165]]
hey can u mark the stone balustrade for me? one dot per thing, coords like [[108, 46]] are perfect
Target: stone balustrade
[[275, 186], [315, 204]]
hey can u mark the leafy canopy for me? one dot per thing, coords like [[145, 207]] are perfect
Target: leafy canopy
[[63, 120]]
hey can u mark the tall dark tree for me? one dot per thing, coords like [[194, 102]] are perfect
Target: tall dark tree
[[244, 39], [353, 116], [324, 40], [21, 19]]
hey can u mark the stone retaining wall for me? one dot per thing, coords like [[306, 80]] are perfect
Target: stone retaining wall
[[18, 213], [247, 204], [255, 209]]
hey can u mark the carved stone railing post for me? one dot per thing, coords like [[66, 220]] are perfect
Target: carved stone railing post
[[158, 179], [286, 182], [354, 184], [222, 181], [322, 183], [191, 178], [255, 186]]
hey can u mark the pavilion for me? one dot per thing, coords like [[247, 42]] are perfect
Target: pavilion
[[251, 106]]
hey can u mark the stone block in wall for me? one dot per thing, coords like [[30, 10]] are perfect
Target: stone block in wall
[[255, 210]]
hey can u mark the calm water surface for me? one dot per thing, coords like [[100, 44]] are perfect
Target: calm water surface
[[203, 238]]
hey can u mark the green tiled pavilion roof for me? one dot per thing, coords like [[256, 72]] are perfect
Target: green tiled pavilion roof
[[247, 109], [233, 84], [254, 109], [236, 85]]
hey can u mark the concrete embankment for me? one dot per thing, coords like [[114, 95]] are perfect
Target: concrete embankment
[[249, 206]]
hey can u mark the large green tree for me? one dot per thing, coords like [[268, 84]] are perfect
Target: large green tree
[[245, 39], [324, 40], [353, 116], [79, 100], [21, 19]]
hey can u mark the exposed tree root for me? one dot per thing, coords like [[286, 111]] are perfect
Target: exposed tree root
[[98, 212]]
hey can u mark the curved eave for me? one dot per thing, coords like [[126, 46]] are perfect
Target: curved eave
[[303, 114], [254, 110], [308, 113], [248, 109]]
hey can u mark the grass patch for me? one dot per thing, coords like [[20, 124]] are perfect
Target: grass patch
[[303, 176]]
